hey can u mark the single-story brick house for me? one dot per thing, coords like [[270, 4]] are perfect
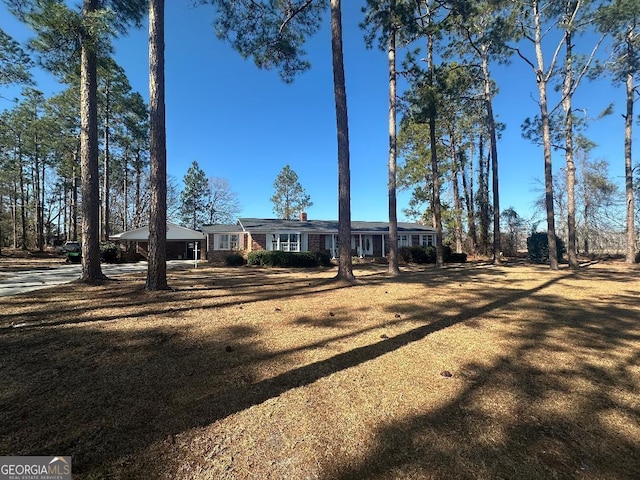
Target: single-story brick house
[[368, 239]]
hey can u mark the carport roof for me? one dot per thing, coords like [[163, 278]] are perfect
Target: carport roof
[[174, 233]]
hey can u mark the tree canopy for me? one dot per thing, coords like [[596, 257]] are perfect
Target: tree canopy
[[289, 198]]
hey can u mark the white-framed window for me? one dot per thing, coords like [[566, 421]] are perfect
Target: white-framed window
[[286, 242], [404, 240], [228, 241], [427, 240]]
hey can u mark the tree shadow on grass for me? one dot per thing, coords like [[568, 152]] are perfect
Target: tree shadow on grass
[[561, 404], [127, 389], [233, 287]]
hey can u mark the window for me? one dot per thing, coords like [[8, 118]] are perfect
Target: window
[[404, 241], [229, 241], [426, 240], [286, 242]]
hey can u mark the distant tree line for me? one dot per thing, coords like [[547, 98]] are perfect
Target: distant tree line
[[447, 144]]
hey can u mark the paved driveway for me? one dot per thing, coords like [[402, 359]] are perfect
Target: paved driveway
[[27, 280]]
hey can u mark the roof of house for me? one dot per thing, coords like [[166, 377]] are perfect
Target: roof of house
[[174, 233], [259, 225]]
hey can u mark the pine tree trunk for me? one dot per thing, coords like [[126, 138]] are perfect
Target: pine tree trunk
[[35, 176], [546, 140], [467, 187], [435, 181], [628, 165], [483, 197], [73, 217], [345, 267], [43, 234], [493, 138], [548, 177], [125, 187], [14, 215], [393, 208], [106, 169], [138, 195], [23, 201], [90, 186], [157, 267], [457, 203], [569, 157]]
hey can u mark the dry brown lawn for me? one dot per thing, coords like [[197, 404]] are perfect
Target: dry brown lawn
[[474, 371]]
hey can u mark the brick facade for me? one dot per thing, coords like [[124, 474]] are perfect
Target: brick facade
[[259, 241]]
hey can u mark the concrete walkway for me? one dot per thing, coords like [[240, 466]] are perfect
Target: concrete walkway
[[24, 281]]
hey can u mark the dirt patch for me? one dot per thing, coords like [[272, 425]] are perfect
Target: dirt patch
[[471, 371]]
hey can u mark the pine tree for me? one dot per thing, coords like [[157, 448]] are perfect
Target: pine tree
[[14, 62], [273, 33], [289, 199], [194, 199], [59, 31], [621, 19], [157, 269]]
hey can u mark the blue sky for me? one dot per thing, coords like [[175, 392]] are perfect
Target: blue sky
[[245, 124]]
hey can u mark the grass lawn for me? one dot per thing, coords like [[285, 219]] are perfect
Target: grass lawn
[[473, 371]]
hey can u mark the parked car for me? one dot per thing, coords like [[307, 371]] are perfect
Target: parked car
[[73, 251]]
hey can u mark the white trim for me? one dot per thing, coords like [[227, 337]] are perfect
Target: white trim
[[228, 244], [275, 243], [427, 240]]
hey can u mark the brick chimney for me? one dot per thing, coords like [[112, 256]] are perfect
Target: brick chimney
[[303, 216]]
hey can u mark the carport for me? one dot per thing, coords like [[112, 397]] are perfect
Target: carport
[[182, 242]]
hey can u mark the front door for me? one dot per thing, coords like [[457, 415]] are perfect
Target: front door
[[367, 245]]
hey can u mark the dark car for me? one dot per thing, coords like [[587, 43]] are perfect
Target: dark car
[[73, 251]]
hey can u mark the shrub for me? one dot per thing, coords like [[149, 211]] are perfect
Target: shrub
[[322, 259], [288, 259], [108, 252], [428, 255], [419, 255], [457, 258], [430, 252], [404, 254], [638, 257], [234, 260], [538, 247]]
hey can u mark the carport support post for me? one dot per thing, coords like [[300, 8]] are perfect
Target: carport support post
[[195, 253]]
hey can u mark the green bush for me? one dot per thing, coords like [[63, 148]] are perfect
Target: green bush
[[414, 255], [234, 260], [255, 258], [538, 247], [288, 259], [405, 255], [108, 252], [457, 258], [428, 255], [430, 252], [317, 259]]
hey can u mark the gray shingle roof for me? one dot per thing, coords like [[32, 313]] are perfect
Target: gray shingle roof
[[318, 226]]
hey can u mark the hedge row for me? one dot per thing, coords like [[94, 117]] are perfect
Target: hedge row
[[288, 259], [428, 255]]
